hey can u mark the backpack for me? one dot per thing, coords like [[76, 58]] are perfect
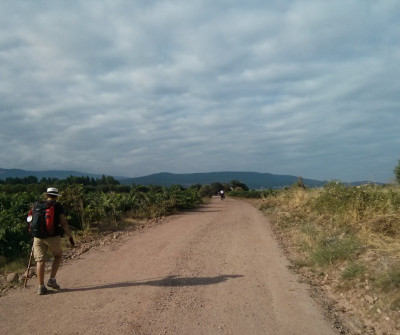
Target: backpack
[[41, 220]]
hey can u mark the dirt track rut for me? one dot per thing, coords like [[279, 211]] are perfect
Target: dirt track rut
[[215, 270]]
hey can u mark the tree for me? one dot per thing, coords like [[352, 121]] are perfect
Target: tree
[[236, 184], [216, 187], [205, 191], [227, 187], [397, 172], [73, 198], [196, 187], [300, 183]]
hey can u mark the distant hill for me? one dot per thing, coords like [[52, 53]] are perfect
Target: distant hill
[[253, 180]]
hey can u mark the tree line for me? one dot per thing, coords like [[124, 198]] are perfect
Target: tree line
[[71, 180]]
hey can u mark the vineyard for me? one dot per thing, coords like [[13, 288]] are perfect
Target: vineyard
[[92, 205]]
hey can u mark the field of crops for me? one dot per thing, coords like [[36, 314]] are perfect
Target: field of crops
[[87, 208]]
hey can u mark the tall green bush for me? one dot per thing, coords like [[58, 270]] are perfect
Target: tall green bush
[[86, 208], [14, 236], [397, 173]]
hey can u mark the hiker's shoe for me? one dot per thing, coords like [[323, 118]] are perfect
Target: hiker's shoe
[[42, 290], [53, 284]]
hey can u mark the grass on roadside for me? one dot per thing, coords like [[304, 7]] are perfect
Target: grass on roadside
[[14, 266], [350, 233], [334, 249], [353, 270]]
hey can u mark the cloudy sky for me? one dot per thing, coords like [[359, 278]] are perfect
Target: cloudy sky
[[130, 88]]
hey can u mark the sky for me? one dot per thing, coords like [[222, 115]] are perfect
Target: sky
[[131, 88]]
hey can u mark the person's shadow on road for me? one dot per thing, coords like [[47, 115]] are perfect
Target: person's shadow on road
[[169, 281]]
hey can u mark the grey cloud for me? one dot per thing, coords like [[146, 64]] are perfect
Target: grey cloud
[[301, 87]]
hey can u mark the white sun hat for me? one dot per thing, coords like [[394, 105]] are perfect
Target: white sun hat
[[52, 191]]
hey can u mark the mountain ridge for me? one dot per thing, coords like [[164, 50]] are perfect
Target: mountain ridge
[[254, 180]]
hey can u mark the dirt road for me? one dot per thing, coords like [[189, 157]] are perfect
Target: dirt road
[[216, 270]]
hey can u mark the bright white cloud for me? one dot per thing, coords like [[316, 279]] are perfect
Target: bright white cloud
[[302, 87]]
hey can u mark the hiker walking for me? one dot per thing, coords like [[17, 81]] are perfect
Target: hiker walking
[[48, 224]]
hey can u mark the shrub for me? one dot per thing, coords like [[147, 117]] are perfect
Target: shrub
[[390, 279], [14, 236], [353, 270], [252, 194], [333, 249], [246, 194], [205, 191]]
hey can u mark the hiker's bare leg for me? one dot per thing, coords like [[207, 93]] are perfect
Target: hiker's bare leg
[[40, 271], [55, 266]]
